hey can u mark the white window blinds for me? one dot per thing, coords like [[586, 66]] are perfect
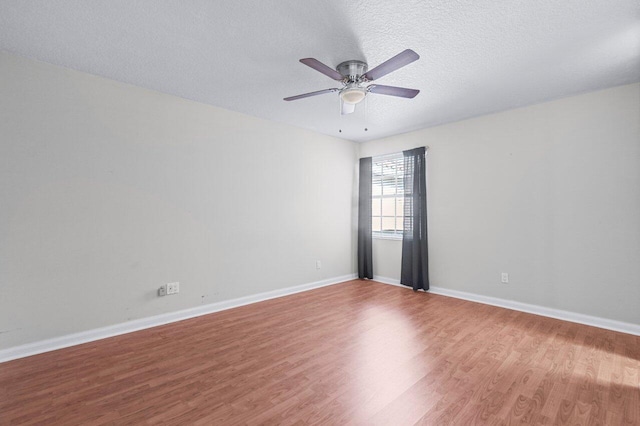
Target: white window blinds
[[387, 196]]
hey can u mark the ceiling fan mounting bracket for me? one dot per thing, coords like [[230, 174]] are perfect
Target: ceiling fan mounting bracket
[[352, 70]]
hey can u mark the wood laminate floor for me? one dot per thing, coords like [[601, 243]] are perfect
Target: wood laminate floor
[[358, 352]]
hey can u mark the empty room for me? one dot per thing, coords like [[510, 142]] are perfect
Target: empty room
[[330, 212]]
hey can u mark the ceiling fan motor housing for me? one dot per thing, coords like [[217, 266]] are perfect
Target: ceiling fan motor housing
[[352, 70]]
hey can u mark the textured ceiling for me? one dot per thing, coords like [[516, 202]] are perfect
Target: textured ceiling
[[477, 57]]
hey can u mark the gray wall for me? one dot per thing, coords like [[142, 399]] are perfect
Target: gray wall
[[548, 193], [108, 191]]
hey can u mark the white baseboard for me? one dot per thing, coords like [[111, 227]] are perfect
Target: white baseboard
[[142, 323], [623, 327]]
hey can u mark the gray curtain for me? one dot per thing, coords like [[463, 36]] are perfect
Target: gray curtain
[[415, 259], [365, 260]]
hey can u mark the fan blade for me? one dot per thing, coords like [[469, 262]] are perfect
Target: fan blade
[[324, 69], [346, 108], [306, 95], [393, 91], [398, 61]]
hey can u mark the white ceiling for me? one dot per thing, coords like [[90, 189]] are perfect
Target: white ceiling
[[477, 57]]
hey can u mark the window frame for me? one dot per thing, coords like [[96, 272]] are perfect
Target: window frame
[[399, 194]]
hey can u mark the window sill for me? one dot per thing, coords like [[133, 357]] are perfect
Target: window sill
[[387, 237]]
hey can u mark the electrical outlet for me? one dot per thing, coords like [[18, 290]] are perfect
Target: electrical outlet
[[173, 288], [318, 264], [505, 278], [162, 291]]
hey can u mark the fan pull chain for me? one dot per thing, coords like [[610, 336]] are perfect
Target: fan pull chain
[[366, 113]]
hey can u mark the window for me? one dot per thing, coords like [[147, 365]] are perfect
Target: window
[[387, 196]]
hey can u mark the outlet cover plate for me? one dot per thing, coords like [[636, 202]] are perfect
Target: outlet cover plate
[[173, 288]]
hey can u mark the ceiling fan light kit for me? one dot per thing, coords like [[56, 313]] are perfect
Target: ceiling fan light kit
[[353, 94], [355, 78]]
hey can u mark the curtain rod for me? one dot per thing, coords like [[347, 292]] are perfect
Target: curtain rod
[[393, 154]]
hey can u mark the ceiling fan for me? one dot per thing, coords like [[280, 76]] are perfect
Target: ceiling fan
[[355, 78]]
